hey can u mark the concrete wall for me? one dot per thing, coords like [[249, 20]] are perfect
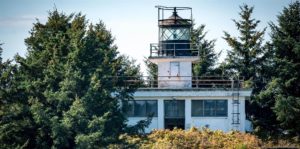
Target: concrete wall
[[168, 78], [214, 123]]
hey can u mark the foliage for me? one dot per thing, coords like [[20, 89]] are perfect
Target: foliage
[[139, 128], [283, 92], [194, 138], [68, 90], [251, 59], [15, 127], [248, 54], [152, 72], [199, 138], [1, 50], [207, 55], [281, 143], [71, 91]]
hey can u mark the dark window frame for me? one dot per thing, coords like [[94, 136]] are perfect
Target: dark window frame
[[147, 108], [216, 113]]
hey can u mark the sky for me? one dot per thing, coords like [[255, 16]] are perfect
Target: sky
[[132, 22]]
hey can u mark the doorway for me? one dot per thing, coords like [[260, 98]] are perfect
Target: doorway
[[174, 114]]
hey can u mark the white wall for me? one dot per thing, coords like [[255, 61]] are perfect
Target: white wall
[[214, 123], [181, 80], [157, 122]]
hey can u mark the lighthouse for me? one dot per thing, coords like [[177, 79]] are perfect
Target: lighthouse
[[178, 99], [174, 52]]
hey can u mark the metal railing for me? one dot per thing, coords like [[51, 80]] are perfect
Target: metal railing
[[173, 49], [195, 81]]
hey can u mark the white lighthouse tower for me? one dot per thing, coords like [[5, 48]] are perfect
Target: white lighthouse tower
[[174, 54]]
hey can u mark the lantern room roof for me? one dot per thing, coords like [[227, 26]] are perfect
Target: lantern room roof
[[175, 20]]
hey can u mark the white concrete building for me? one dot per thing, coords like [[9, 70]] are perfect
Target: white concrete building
[[179, 99]]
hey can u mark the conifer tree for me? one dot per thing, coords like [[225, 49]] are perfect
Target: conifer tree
[[251, 59], [247, 54], [73, 84], [283, 92], [152, 72], [16, 127], [207, 55], [1, 50]]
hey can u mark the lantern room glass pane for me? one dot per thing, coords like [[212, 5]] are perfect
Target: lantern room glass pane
[[175, 34]]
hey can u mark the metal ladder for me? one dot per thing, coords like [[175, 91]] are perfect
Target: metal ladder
[[235, 104]]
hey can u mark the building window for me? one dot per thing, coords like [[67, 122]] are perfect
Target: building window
[[209, 108], [142, 108]]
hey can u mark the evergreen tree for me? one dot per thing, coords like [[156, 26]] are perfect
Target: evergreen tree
[[283, 92], [152, 72], [16, 127], [251, 59], [74, 83], [247, 54], [207, 55], [1, 50]]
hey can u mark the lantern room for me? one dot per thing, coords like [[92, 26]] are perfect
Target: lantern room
[[174, 32]]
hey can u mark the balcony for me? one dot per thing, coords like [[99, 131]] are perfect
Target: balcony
[[164, 50], [185, 82]]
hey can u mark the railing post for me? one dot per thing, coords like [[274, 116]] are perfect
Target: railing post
[[164, 49], [174, 49]]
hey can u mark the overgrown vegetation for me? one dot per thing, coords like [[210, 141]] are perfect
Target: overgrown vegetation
[[252, 59], [282, 93], [67, 91], [207, 54], [198, 138]]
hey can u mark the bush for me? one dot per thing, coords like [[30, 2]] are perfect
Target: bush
[[193, 138], [198, 138]]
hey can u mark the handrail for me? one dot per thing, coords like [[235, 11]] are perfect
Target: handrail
[[173, 49], [195, 81]]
